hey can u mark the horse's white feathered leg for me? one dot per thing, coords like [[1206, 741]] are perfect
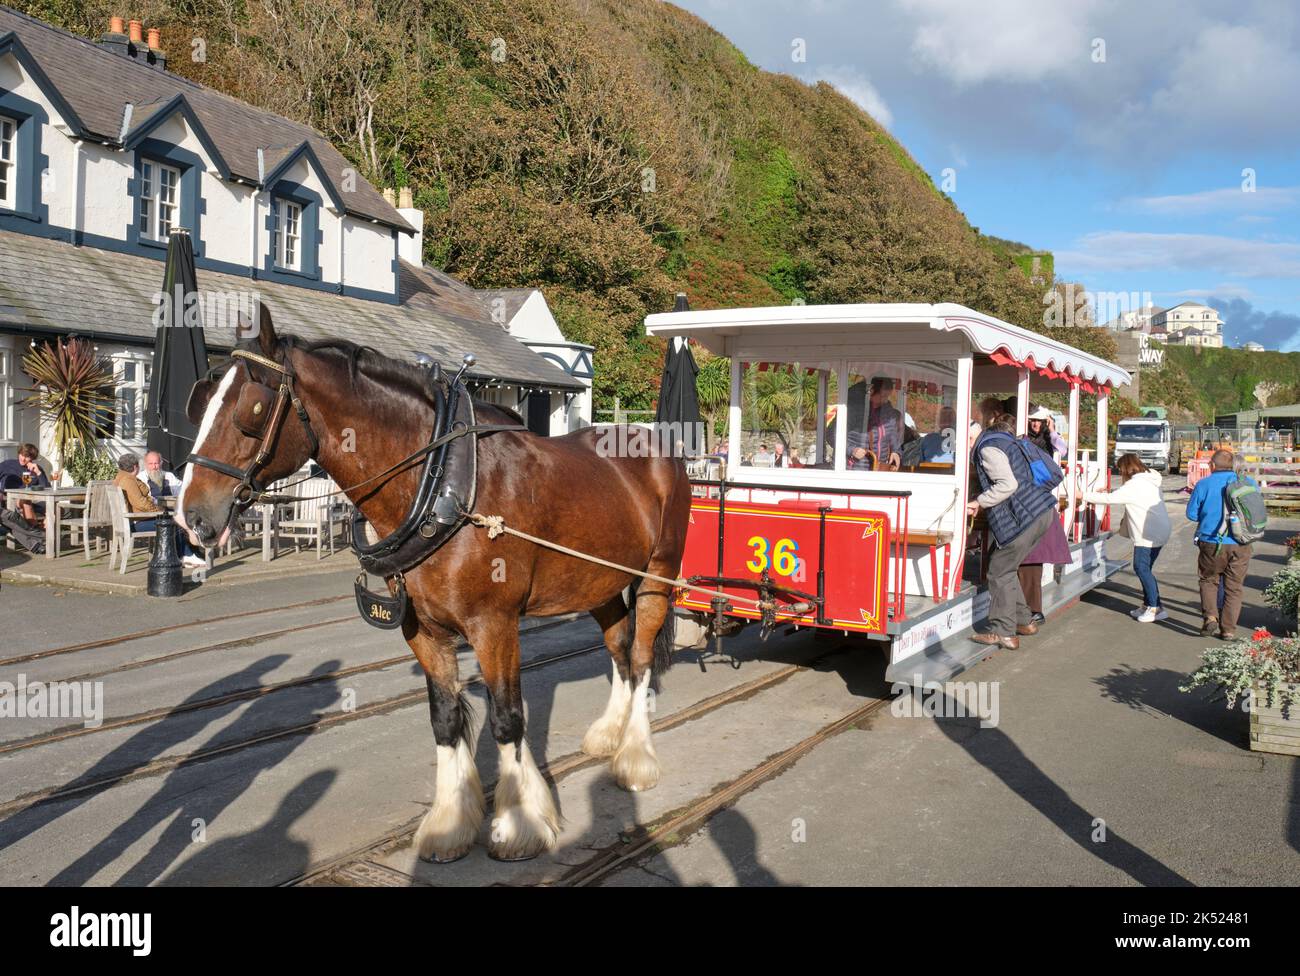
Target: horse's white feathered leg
[[451, 826], [635, 765], [524, 819], [606, 732]]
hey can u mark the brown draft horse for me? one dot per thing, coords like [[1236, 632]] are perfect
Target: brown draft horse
[[629, 510]]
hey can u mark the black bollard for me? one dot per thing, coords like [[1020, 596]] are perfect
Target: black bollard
[[165, 577]]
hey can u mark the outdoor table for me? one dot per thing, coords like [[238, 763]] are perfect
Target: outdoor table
[[54, 500]]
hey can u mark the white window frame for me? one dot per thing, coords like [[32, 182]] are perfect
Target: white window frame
[[7, 368], [9, 174], [158, 212], [136, 391], [286, 234]]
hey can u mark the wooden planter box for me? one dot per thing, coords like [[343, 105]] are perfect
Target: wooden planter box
[[1269, 731]]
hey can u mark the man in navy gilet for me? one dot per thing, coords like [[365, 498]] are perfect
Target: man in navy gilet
[[1019, 512]]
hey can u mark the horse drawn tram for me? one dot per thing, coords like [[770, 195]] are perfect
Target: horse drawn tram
[[839, 499]]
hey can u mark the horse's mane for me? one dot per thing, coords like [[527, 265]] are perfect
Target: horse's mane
[[362, 360]]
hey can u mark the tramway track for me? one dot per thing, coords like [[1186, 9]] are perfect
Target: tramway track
[[156, 631], [167, 763], [555, 769], [654, 838]]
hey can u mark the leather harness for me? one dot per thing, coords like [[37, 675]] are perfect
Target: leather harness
[[445, 495]]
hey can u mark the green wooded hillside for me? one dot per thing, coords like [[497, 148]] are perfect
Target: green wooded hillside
[[610, 151], [1201, 384]]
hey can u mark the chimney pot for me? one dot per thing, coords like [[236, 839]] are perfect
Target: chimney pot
[[115, 25], [390, 196], [404, 198], [136, 28], [155, 39]]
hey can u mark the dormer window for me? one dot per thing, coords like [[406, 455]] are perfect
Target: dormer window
[[159, 199], [8, 163], [286, 235]]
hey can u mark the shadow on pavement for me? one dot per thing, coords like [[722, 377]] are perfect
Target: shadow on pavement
[[995, 751], [226, 861], [1155, 691], [194, 791]]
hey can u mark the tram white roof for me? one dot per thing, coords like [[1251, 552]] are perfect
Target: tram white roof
[[713, 327]]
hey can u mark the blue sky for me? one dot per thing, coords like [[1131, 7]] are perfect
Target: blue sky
[[1152, 147]]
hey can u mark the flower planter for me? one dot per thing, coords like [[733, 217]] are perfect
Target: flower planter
[[1269, 730]]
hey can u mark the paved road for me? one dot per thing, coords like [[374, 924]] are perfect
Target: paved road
[[275, 746]]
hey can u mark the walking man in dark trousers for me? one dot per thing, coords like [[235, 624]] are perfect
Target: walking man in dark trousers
[[1019, 512], [1221, 559]]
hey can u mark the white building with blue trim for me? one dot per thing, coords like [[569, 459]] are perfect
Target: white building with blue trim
[[103, 151]]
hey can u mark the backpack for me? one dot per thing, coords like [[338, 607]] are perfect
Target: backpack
[[1244, 511], [1042, 466]]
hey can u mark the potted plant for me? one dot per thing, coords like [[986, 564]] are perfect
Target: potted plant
[[1293, 546], [1264, 673], [1283, 593], [74, 386]]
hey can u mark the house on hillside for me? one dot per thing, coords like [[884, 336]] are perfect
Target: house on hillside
[[1191, 324], [103, 152]]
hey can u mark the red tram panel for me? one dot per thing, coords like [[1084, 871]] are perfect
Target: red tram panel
[[784, 539]]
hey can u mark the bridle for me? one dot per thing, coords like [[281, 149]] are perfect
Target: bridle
[[254, 418]]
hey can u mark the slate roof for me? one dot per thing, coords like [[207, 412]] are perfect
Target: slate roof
[[514, 298], [53, 287], [97, 84]]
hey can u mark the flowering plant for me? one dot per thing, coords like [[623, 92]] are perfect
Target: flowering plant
[[1235, 668], [1293, 544]]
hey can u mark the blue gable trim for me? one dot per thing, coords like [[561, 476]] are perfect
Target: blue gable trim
[[178, 104], [29, 207], [192, 207], [311, 236], [10, 43], [305, 151]]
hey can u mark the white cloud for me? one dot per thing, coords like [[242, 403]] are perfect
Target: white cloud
[[855, 86], [1228, 200], [1203, 253], [1232, 77], [1004, 40]]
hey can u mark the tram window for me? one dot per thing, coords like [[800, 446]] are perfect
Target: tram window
[[900, 417], [782, 406]]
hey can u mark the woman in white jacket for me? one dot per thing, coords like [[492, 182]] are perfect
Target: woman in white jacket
[[1145, 522]]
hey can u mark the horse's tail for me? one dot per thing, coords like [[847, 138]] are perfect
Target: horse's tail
[[663, 645]]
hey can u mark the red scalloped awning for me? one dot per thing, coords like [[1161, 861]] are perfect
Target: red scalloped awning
[[1002, 358]]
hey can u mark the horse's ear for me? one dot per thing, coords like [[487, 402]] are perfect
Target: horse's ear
[[266, 332]]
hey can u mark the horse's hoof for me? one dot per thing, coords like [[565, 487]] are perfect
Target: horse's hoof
[[635, 768], [511, 859], [448, 859]]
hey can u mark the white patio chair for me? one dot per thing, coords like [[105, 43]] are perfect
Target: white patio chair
[[124, 539], [315, 516]]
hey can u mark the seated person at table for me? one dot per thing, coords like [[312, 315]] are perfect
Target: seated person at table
[[138, 499], [936, 448], [24, 473], [161, 484]]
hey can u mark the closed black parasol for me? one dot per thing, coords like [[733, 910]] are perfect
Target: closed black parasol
[[180, 355], [679, 403]]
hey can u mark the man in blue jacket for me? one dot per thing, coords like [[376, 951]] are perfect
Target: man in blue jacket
[[1221, 556]]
